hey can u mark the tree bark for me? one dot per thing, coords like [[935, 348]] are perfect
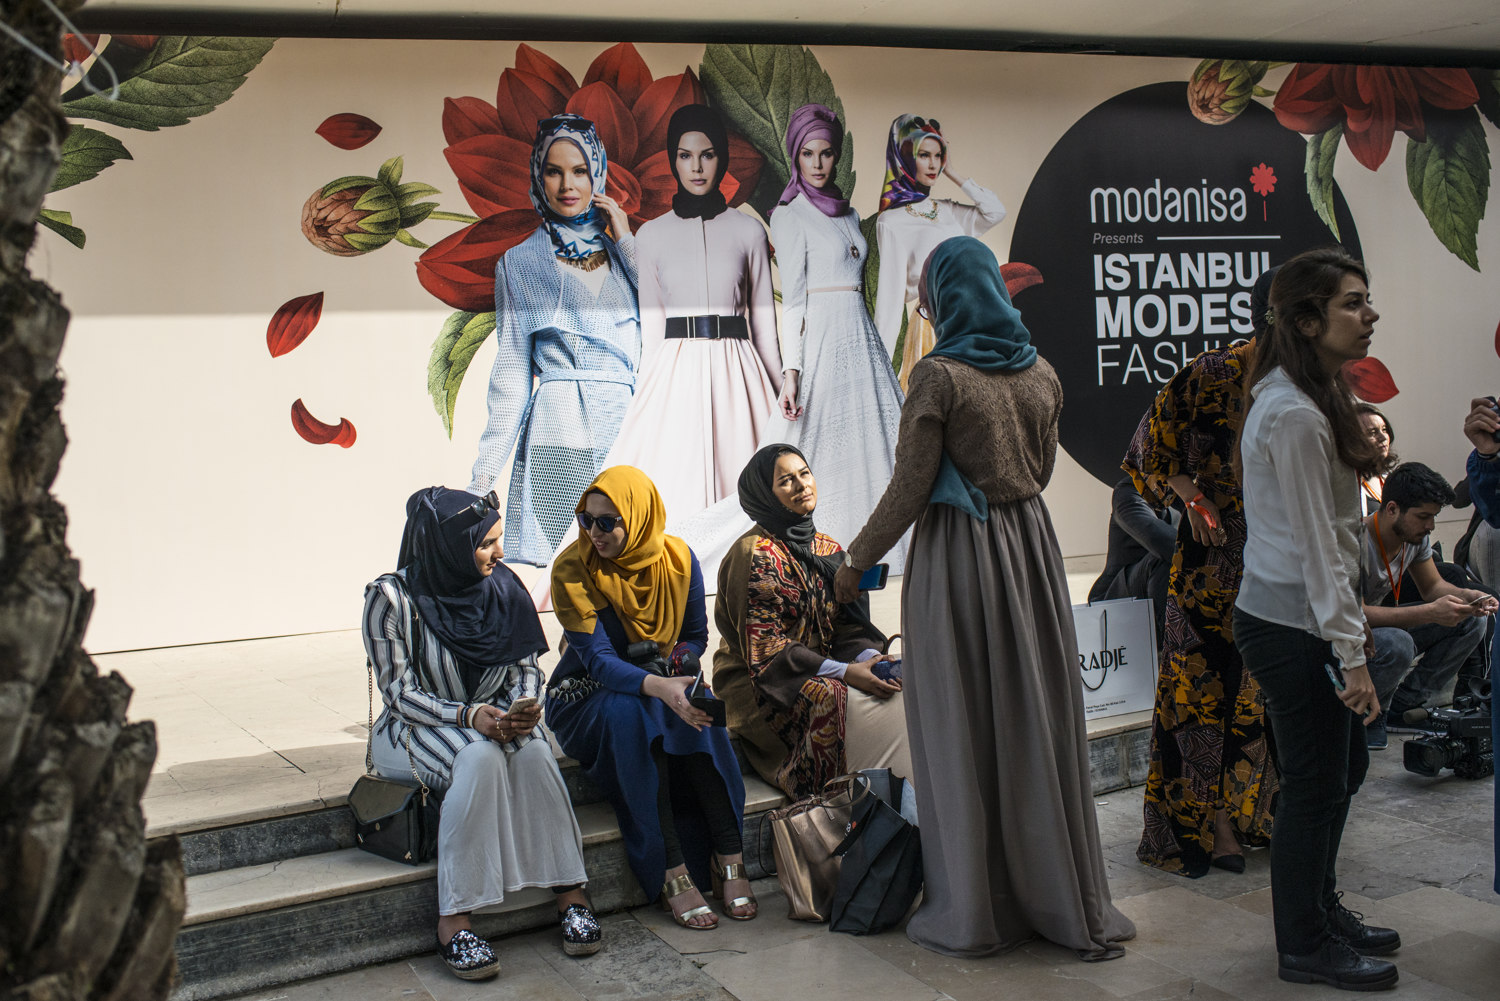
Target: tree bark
[[90, 908]]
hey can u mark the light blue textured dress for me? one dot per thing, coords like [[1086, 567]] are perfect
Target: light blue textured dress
[[563, 377]]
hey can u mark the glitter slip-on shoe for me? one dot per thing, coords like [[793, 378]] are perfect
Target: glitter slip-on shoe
[[469, 956], [581, 933]]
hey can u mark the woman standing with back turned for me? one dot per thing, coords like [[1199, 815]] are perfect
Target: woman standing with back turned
[[994, 710]]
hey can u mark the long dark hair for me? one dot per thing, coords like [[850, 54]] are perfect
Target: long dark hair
[[1391, 459], [1300, 294]]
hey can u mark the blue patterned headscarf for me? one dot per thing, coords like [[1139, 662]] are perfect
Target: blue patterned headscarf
[[976, 324], [583, 234]]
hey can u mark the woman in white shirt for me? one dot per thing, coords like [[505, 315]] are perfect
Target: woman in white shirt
[[911, 224], [1297, 620]]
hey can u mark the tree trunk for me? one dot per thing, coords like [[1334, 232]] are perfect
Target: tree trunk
[[90, 910]]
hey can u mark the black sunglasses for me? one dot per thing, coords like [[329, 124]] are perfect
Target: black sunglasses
[[606, 522], [477, 510]]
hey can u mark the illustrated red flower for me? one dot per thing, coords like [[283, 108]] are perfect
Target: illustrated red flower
[[489, 150], [292, 323], [1019, 277], [1370, 102], [1370, 380], [315, 431], [348, 130], [1262, 179]]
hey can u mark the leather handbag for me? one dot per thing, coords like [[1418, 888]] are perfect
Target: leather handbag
[[881, 873], [395, 820], [804, 836]]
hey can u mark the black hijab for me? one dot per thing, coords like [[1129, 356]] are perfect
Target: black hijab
[[698, 118], [760, 502], [483, 621]]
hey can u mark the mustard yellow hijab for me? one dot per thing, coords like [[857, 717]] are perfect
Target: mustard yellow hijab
[[647, 585]]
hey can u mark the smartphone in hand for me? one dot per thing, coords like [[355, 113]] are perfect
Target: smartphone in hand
[[522, 704], [701, 698], [874, 578]]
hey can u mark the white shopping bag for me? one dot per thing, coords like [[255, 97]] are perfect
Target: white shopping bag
[[1116, 656]]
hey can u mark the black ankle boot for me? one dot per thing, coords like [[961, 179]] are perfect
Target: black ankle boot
[[1336, 963], [1367, 940]]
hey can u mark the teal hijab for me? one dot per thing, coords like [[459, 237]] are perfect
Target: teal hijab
[[976, 324]]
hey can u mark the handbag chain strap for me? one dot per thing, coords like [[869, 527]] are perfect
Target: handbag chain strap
[[414, 644]]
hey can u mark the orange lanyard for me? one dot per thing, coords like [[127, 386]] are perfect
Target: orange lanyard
[[1396, 579], [1372, 494]]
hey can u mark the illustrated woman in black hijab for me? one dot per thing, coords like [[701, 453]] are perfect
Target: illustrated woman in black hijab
[[453, 640], [711, 362]]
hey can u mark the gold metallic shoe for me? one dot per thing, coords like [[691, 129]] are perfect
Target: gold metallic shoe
[[724, 873], [676, 887]]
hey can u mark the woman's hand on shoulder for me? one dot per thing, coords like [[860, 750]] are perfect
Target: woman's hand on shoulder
[[861, 675], [619, 222], [673, 692]]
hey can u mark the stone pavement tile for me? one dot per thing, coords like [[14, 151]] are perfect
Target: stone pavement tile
[[634, 963], [1123, 977], [1459, 961], [1131, 878], [524, 974], [1422, 800], [1439, 858], [1444, 909], [770, 928], [1216, 943], [1183, 989], [834, 968], [1119, 816], [1013, 974], [1218, 884], [1369, 877], [1371, 831], [386, 982], [1412, 921]]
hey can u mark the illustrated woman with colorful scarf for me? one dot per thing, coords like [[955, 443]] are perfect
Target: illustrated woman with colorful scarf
[[568, 326], [911, 225]]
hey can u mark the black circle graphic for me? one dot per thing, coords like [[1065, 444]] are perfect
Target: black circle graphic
[[1149, 228]]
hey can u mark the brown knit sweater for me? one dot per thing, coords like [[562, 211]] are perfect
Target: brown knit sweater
[[1000, 430]]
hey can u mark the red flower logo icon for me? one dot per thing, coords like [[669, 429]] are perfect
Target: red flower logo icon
[[1263, 180], [489, 149], [1370, 102]]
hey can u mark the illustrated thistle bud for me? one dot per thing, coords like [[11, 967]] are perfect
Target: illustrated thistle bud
[[1222, 88], [355, 215]]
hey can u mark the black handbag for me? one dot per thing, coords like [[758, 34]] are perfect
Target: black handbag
[[881, 872], [395, 820]]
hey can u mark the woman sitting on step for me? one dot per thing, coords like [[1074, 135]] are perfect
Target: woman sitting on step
[[630, 599], [454, 638], [808, 691]]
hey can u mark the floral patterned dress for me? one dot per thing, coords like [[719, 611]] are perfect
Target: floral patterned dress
[[1210, 745], [789, 624]]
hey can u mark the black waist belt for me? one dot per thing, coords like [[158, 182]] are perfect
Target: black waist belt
[[711, 328]]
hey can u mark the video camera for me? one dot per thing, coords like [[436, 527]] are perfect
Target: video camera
[[1459, 738]]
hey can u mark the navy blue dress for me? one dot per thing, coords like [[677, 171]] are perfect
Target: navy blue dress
[[611, 733]]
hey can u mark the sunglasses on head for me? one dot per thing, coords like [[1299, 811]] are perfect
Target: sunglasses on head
[[606, 522], [477, 510]]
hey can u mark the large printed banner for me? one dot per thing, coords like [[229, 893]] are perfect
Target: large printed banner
[[311, 276]]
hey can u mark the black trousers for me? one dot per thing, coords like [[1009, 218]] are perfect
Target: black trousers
[[694, 775], [1321, 754]]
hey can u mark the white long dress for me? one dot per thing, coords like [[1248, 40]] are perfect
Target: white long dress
[[848, 391], [906, 236]]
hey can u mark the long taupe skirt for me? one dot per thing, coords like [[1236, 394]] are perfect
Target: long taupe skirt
[[1010, 845]]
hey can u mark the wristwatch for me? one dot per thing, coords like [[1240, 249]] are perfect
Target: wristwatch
[[849, 562]]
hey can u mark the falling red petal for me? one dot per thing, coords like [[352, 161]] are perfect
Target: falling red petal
[[348, 130], [1370, 380], [318, 433], [292, 323], [1018, 277]]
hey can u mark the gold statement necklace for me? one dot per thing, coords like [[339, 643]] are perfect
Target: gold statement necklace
[[588, 263]]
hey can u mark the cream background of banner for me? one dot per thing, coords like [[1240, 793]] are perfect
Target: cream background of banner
[[198, 513]]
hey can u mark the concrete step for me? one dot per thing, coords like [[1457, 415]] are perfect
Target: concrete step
[[284, 920]]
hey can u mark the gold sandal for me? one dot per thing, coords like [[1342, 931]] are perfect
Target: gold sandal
[[676, 887], [724, 873]]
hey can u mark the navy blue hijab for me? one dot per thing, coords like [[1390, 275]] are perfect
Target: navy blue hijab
[[976, 324], [484, 621]]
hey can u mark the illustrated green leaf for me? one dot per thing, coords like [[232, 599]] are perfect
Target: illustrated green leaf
[[390, 171], [415, 189], [1260, 91], [452, 352], [182, 78], [406, 239], [344, 183], [61, 223], [366, 242], [1487, 82], [413, 214], [377, 199], [871, 278], [1449, 176], [85, 152], [1321, 150], [756, 88]]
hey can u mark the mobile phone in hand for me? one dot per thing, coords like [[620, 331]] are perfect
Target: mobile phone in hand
[[522, 704], [1335, 675], [874, 578], [699, 697]]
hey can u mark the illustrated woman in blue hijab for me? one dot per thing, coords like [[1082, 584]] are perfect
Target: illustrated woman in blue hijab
[[569, 334], [989, 638]]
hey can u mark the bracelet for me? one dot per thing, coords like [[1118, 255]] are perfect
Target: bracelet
[[464, 715]]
